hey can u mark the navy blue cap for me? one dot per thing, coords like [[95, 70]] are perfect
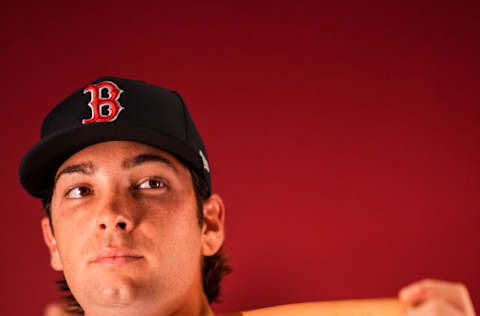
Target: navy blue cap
[[109, 109]]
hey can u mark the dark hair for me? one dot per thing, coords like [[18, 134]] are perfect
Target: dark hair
[[215, 267]]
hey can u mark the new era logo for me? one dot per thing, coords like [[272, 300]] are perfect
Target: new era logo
[[204, 160]]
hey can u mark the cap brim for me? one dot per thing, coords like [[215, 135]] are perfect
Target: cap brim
[[39, 165]]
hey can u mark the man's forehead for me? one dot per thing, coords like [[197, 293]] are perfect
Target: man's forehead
[[126, 153]]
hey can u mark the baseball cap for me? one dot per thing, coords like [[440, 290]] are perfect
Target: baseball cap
[[109, 109]]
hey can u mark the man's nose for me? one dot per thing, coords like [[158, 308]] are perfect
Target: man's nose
[[116, 214]]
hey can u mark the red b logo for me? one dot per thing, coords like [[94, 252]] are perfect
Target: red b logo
[[97, 102]]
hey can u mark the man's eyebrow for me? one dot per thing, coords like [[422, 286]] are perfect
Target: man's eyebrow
[[83, 168], [133, 162]]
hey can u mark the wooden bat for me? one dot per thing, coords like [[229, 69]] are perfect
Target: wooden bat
[[360, 307]]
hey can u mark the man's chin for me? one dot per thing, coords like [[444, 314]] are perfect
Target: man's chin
[[116, 289], [123, 297]]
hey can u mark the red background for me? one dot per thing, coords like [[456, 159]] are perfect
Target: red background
[[344, 138]]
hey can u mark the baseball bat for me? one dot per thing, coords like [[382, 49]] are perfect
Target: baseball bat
[[359, 307]]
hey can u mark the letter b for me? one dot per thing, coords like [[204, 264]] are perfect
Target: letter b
[[97, 102]]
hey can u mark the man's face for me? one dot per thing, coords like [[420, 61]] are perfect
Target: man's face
[[126, 229]]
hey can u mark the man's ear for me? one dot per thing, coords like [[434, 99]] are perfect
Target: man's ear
[[51, 242], [213, 233]]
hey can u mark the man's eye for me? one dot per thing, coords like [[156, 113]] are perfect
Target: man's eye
[[152, 184], [78, 192]]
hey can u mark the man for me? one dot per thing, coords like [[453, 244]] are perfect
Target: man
[[124, 177]]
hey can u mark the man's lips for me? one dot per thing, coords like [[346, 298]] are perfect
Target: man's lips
[[116, 257]]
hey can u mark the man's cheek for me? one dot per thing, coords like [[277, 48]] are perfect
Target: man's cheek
[[72, 251]]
